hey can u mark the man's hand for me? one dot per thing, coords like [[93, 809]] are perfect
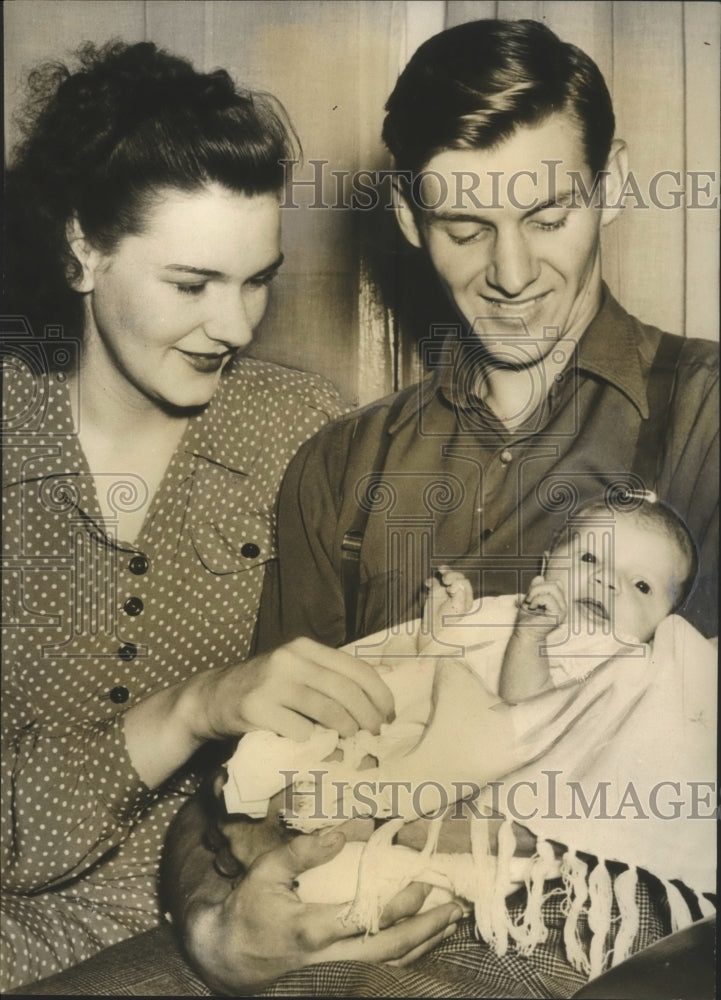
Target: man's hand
[[260, 929]]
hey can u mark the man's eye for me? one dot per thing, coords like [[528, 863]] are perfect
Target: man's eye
[[461, 236], [549, 225], [643, 587], [588, 557], [195, 289]]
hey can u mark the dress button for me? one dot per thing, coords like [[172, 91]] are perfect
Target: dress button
[[128, 651], [250, 551], [119, 695], [133, 606], [506, 457], [139, 564]]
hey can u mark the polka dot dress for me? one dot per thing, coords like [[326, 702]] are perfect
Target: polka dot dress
[[92, 624]]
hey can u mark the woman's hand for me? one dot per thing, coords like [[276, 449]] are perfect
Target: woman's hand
[[260, 929], [286, 691]]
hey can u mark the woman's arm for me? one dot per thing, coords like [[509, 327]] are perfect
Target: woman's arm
[[284, 691]]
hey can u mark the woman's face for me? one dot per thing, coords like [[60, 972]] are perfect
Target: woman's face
[[168, 308]]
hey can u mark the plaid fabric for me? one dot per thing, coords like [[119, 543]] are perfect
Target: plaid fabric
[[151, 964], [464, 966]]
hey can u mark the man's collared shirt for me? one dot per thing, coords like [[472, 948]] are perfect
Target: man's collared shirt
[[460, 489]]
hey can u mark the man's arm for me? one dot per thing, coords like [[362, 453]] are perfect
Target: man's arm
[[690, 474], [243, 933], [302, 593]]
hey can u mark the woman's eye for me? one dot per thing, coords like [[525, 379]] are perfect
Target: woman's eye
[[263, 280], [588, 557], [643, 587], [194, 289]]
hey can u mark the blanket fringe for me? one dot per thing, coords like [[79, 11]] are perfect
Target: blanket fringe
[[484, 863], [531, 930], [574, 873], [600, 891], [625, 891], [680, 913]]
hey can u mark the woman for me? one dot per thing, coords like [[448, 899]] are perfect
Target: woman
[[143, 456]]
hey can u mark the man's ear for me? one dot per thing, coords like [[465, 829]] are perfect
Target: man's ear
[[616, 174], [86, 256], [405, 217]]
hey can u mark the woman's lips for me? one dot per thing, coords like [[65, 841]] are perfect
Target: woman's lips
[[205, 363]]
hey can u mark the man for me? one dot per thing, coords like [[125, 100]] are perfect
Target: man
[[547, 392], [544, 395]]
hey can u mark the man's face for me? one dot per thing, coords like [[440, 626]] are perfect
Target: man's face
[[523, 267]]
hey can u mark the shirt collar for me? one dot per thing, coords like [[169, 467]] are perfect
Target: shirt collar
[[608, 349], [216, 434]]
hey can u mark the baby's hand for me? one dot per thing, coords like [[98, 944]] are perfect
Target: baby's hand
[[448, 593], [542, 609]]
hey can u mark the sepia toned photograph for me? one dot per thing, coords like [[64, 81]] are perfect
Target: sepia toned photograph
[[360, 498]]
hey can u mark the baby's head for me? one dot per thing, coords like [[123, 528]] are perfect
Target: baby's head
[[629, 567]]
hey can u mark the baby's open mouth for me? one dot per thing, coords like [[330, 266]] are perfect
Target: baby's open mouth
[[595, 610]]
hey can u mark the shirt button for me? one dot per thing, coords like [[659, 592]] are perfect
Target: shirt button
[[506, 457], [119, 695], [139, 564], [128, 651], [250, 551], [133, 606]]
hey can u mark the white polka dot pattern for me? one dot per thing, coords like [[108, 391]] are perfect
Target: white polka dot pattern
[[92, 625]]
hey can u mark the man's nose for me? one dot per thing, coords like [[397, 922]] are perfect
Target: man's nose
[[513, 266], [230, 323]]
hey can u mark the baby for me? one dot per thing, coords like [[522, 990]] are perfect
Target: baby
[[619, 585], [608, 580]]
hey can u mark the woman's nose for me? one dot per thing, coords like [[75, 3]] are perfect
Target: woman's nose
[[231, 323]]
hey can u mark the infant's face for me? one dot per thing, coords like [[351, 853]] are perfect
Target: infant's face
[[618, 575]]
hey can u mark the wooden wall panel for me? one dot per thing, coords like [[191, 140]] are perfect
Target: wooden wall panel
[[648, 88], [333, 63], [702, 34], [36, 30]]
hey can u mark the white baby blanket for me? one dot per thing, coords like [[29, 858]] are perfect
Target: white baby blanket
[[620, 766]]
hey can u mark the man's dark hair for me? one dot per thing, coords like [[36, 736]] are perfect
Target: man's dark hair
[[470, 87]]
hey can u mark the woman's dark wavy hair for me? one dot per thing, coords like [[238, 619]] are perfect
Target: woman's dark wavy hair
[[99, 142], [471, 86]]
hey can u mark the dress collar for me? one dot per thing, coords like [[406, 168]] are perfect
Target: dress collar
[[217, 435]]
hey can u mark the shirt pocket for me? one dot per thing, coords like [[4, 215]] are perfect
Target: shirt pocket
[[232, 557]]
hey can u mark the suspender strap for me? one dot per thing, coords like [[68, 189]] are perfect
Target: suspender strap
[[652, 434], [353, 538]]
